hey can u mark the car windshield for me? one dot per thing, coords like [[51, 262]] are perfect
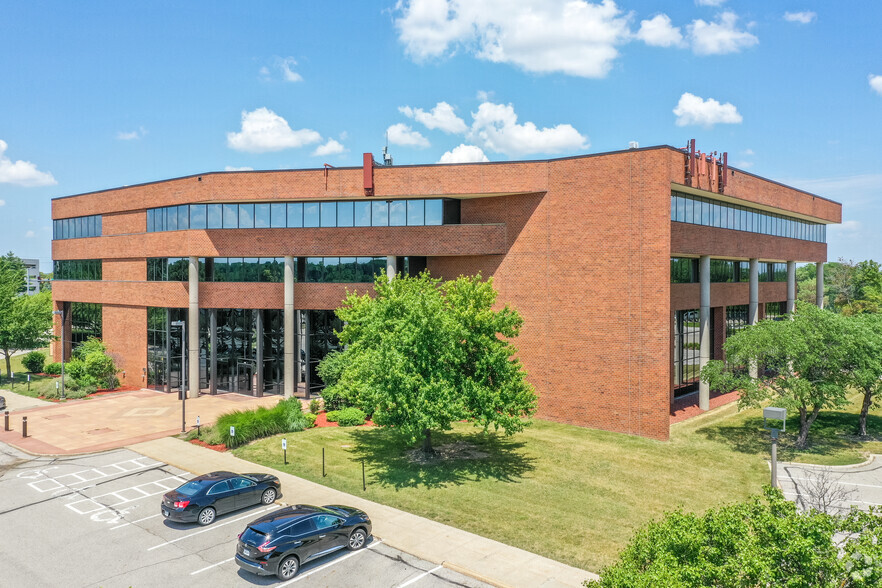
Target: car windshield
[[191, 488]]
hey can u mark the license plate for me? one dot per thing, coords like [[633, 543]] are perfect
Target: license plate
[[165, 513], [246, 552]]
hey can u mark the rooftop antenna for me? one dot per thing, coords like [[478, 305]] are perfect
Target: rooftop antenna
[[387, 159]]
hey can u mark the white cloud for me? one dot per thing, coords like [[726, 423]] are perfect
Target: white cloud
[[233, 168], [574, 37], [804, 17], [693, 110], [717, 38], [22, 173], [659, 32], [402, 134], [495, 128], [463, 154], [2, 203], [287, 73], [846, 227], [332, 147], [441, 117], [710, 2], [131, 135], [264, 130], [484, 96], [749, 152], [29, 234], [876, 83]]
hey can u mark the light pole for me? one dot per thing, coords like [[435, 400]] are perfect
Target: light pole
[[183, 375], [775, 414], [61, 314]]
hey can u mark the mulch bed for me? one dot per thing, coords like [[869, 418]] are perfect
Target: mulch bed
[[321, 420], [219, 447]]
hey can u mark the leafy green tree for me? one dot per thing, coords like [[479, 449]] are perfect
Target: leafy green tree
[[855, 288], [805, 363], [764, 541], [421, 355], [25, 321], [864, 358], [806, 280]]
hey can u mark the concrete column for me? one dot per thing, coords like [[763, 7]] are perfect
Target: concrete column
[[704, 318], [753, 307], [212, 361], [391, 267], [819, 287], [791, 286], [193, 330], [290, 334]]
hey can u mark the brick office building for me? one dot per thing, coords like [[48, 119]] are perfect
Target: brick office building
[[629, 268]]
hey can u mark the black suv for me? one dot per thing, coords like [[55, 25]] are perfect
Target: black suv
[[280, 542]]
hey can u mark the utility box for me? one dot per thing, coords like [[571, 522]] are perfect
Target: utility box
[[774, 413]]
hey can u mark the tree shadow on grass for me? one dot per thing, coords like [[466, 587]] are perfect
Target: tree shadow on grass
[[389, 462], [833, 433]]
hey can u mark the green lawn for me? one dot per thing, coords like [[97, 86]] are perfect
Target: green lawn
[[572, 494], [39, 384]]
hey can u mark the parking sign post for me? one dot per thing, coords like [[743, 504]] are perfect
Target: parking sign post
[[285, 451]]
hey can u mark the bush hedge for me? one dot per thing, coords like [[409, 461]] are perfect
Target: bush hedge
[[350, 417], [53, 369], [285, 417], [33, 361]]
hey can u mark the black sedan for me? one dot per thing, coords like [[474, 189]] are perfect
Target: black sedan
[[280, 542], [203, 498]]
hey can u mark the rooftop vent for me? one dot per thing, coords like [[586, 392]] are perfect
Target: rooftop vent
[[633, 144]]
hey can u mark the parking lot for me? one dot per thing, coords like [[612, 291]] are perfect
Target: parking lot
[[837, 487], [95, 521]]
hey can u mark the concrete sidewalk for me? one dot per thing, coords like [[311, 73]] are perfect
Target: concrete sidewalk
[[487, 560]]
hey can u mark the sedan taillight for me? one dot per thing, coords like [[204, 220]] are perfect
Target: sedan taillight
[[264, 549], [181, 503]]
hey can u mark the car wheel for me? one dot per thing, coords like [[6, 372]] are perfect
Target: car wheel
[[357, 539], [269, 496], [206, 516], [288, 568]]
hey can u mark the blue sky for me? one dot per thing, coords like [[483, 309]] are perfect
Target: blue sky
[[96, 95]]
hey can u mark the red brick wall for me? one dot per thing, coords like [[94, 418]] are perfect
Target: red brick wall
[[580, 247], [687, 296], [689, 239], [124, 331]]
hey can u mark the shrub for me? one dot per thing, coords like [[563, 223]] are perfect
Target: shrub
[[52, 369], [34, 361], [310, 420], [100, 367], [90, 345], [287, 416], [75, 368], [331, 368], [351, 417], [315, 406], [331, 416]]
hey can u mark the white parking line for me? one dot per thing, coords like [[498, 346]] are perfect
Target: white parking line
[[121, 500], [214, 526], [420, 577], [133, 522], [330, 563], [46, 483], [839, 481], [212, 566]]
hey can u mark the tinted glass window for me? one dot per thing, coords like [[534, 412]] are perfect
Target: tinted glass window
[[326, 521], [197, 216], [310, 214], [379, 213], [397, 213], [246, 216], [303, 527], [219, 487], [215, 216], [231, 216], [362, 214], [171, 220], [329, 214], [345, 214], [295, 214], [434, 212], [183, 217], [262, 216], [277, 215], [191, 488], [416, 212], [239, 483]]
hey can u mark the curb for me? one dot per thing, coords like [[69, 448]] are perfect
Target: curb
[[852, 466], [472, 574]]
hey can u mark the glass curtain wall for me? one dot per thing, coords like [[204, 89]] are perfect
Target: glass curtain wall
[[686, 351], [86, 321]]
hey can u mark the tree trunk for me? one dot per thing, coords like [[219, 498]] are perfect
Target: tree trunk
[[427, 442], [805, 423], [865, 407], [8, 363]]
